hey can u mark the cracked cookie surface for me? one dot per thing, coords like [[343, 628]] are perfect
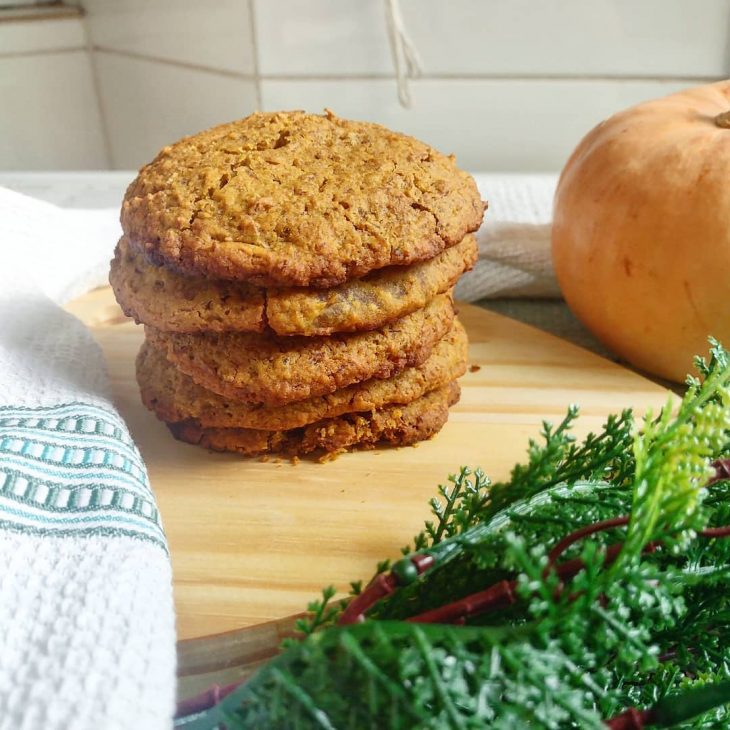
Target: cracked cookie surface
[[296, 199], [172, 302], [276, 370], [398, 425], [174, 396]]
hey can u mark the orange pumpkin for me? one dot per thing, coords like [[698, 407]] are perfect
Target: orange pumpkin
[[641, 229]]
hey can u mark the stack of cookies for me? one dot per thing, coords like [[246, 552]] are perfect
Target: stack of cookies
[[294, 275]]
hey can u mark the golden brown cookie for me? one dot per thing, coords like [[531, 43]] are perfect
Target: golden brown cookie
[[371, 302], [295, 199], [276, 370], [398, 425], [161, 298], [174, 303], [174, 396]]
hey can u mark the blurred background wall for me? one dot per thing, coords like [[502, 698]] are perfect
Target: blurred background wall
[[505, 84]]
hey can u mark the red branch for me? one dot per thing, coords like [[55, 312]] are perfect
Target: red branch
[[631, 719], [579, 534], [722, 470], [499, 595], [380, 587], [715, 532], [205, 700]]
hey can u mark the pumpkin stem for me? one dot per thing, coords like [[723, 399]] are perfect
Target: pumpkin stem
[[723, 120]]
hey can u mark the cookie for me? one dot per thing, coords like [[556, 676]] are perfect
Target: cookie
[[371, 302], [276, 370], [398, 425], [170, 302], [156, 296], [174, 396], [296, 199]]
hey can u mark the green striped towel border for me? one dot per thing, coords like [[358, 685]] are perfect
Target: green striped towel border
[[73, 469]]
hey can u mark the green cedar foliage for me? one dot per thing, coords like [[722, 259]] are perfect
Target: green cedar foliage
[[650, 629]]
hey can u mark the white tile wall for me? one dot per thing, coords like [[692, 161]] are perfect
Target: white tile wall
[[147, 104], [683, 38], [208, 34], [501, 125], [321, 37], [498, 37], [33, 36], [49, 117], [507, 85]]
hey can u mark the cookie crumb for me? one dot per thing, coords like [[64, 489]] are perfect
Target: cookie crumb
[[328, 456], [474, 368]]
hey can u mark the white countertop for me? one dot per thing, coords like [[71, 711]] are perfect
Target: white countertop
[[97, 189]]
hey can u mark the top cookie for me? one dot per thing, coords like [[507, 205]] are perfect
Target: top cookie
[[297, 199]]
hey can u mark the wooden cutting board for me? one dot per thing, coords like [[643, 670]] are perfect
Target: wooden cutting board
[[254, 541]]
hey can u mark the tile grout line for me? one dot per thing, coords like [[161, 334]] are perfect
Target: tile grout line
[[463, 76], [43, 52], [96, 83], [169, 62], [255, 46]]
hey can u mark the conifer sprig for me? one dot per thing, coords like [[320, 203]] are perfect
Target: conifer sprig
[[649, 630]]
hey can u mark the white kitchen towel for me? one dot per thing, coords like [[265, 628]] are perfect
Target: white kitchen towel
[[87, 636], [514, 241]]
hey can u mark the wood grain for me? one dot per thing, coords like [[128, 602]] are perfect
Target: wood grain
[[253, 541]]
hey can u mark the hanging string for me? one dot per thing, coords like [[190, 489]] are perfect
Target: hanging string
[[405, 55]]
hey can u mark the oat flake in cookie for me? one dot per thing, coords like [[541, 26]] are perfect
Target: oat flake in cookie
[[295, 199]]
